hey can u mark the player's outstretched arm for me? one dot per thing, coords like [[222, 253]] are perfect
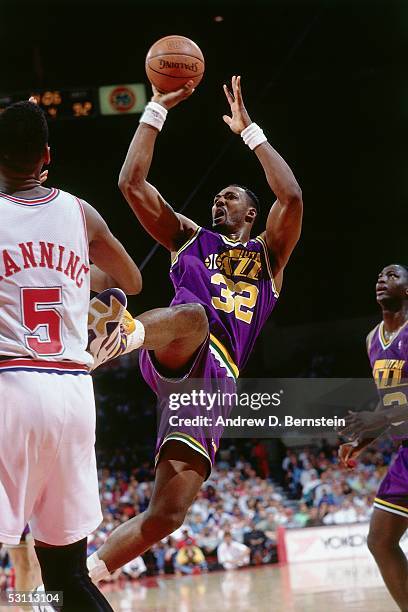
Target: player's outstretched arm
[[157, 216], [113, 266], [284, 222]]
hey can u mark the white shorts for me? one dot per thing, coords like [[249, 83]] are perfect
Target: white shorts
[[48, 475]]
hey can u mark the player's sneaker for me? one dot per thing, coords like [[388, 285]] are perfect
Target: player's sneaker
[[105, 336]]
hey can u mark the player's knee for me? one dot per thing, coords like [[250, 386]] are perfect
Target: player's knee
[[23, 563], [162, 523], [378, 541]]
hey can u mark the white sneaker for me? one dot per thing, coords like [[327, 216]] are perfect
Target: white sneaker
[[105, 336]]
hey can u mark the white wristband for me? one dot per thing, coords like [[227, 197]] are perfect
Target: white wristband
[[155, 115], [253, 136]]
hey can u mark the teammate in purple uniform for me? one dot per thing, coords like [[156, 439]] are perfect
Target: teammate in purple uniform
[[387, 346], [226, 285]]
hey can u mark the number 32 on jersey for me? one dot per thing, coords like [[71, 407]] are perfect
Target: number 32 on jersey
[[239, 298]]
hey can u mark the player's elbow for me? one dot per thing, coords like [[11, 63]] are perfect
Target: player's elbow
[[293, 197], [134, 283], [132, 187]]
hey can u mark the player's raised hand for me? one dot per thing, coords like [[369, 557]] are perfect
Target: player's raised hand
[[172, 98], [239, 119]]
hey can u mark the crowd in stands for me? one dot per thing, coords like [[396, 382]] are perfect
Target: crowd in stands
[[329, 494]]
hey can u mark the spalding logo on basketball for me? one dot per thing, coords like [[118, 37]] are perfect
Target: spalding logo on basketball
[[122, 99], [173, 61]]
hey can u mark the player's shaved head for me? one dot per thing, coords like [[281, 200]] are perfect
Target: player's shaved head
[[23, 136]]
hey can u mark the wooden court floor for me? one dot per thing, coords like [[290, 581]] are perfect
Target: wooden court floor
[[313, 587]]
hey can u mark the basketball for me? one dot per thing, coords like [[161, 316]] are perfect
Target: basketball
[[172, 61]]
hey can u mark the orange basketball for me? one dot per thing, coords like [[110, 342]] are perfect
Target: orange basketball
[[172, 61]]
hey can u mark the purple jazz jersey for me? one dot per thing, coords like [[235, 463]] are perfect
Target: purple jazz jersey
[[233, 281], [389, 361]]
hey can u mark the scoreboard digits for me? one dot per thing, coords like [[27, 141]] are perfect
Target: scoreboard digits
[[59, 103]]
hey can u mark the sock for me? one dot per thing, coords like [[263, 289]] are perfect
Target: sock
[[135, 339]]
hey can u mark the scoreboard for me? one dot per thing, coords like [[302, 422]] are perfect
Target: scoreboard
[[83, 102], [59, 103]]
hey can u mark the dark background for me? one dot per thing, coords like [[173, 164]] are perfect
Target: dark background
[[327, 81]]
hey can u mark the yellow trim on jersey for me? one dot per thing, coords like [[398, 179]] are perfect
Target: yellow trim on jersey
[[386, 343], [268, 263], [185, 245], [380, 501], [224, 354], [231, 242]]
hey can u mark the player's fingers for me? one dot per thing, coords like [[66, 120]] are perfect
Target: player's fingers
[[227, 119], [188, 89], [238, 89], [347, 430], [228, 94], [33, 99], [234, 85], [43, 176]]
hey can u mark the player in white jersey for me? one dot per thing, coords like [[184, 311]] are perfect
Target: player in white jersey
[[47, 414]]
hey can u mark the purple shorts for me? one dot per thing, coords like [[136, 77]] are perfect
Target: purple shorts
[[212, 372], [392, 495]]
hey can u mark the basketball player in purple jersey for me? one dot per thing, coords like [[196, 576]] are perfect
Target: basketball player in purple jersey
[[226, 285], [387, 346]]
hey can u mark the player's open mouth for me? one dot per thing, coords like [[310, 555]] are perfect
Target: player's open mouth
[[220, 213]]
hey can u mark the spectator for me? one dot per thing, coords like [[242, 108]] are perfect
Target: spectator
[[190, 559], [255, 540], [208, 541], [232, 555], [135, 568]]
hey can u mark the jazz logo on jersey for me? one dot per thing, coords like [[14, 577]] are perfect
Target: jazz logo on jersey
[[236, 262], [388, 372]]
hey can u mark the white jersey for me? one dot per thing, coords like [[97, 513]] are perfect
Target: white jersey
[[44, 280]]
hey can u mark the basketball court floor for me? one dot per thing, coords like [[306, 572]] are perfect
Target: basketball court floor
[[329, 586], [335, 586]]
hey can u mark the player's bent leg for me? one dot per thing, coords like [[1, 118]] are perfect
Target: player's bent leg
[[386, 530], [179, 476], [175, 334], [63, 568]]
